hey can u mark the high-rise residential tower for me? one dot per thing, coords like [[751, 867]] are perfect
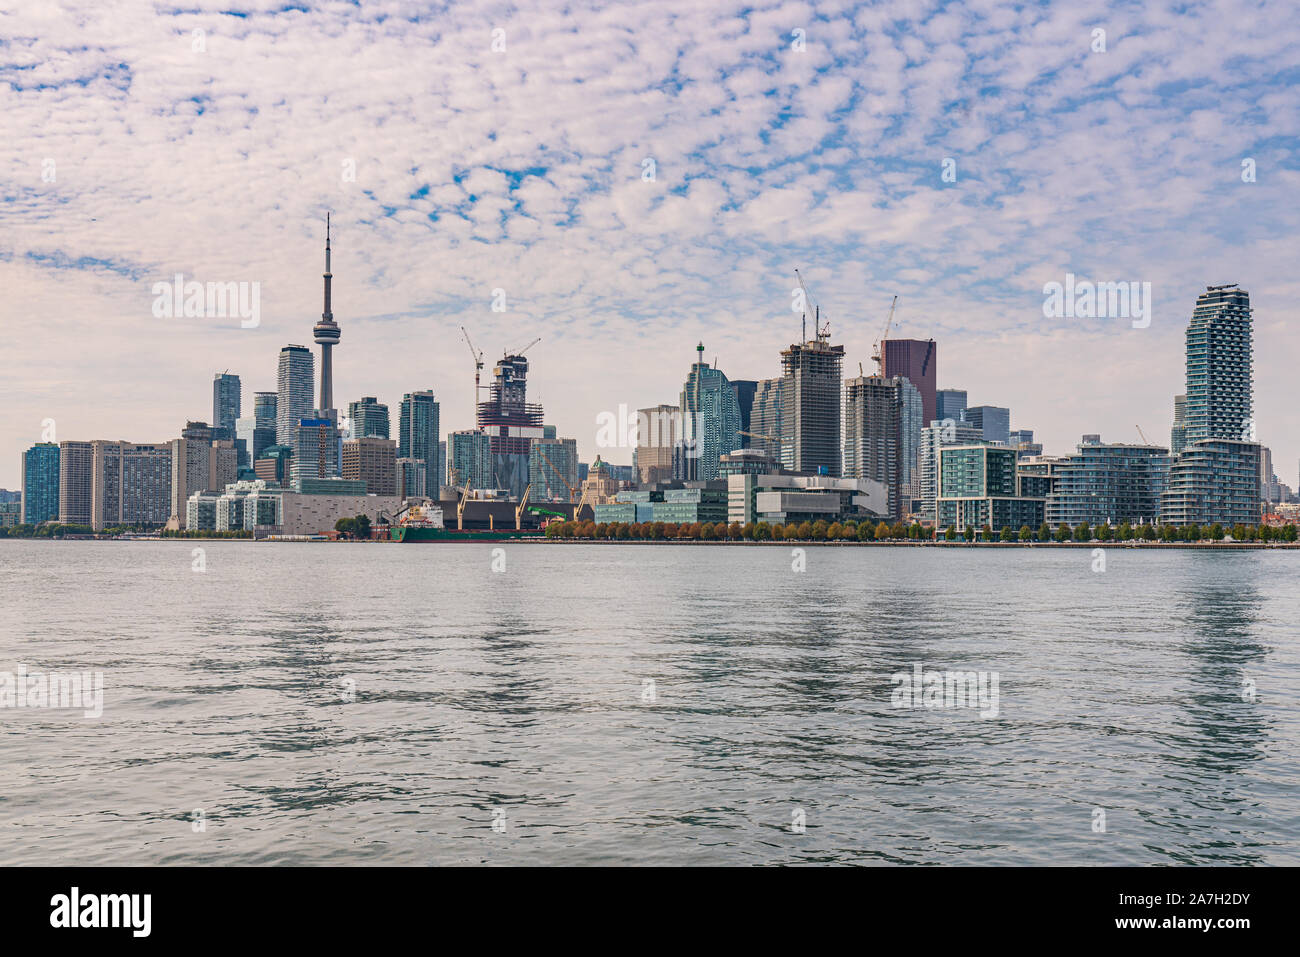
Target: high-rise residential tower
[[710, 418], [326, 333], [225, 401], [1215, 477], [296, 376], [76, 468], [418, 436], [882, 432], [40, 501], [369, 418], [811, 408]]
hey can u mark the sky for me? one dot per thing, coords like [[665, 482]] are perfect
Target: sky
[[624, 180]]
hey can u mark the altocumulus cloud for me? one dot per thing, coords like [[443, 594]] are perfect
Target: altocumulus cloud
[[467, 147]]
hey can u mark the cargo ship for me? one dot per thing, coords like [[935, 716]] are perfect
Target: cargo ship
[[424, 524], [420, 533]]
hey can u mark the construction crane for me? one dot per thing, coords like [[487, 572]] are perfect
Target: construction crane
[[523, 504], [572, 491], [877, 350], [765, 438], [1145, 440], [818, 331], [525, 348], [478, 366]]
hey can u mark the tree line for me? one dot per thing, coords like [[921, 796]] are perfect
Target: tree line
[[868, 531]]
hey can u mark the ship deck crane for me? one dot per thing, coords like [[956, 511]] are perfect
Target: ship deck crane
[[523, 504], [460, 507]]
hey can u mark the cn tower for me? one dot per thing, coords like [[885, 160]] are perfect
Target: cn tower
[[327, 335]]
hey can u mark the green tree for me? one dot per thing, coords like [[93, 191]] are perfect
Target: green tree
[[346, 527], [1026, 533], [950, 534], [819, 530], [762, 532], [1044, 532], [804, 531], [865, 532], [1104, 532], [1082, 533], [1006, 534], [1062, 532], [747, 531]]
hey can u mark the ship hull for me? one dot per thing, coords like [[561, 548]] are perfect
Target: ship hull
[[408, 534]]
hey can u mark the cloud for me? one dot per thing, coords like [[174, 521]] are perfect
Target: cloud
[[210, 142]]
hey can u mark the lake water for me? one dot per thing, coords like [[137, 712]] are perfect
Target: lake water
[[649, 704]]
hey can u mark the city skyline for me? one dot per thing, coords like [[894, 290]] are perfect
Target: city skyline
[[832, 160]]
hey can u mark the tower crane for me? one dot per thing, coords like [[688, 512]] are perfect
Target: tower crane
[[820, 332], [877, 355], [525, 348], [558, 474], [1145, 440], [478, 367]]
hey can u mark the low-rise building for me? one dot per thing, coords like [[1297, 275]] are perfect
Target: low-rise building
[[979, 486], [787, 497]]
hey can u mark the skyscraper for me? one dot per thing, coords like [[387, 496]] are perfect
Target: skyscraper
[[1178, 432], [317, 451], [76, 466], [372, 460], [471, 459], [810, 406], [296, 376], [710, 418], [257, 432], [511, 422], [882, 425], [917, 361], [1215, 477], [130, 484], [1220, 366], [746, 389], [40, 501], [949, 404], [225, 401], [659, 430], [326, 333], [993, 420], [765, 417], [553, 469], [417, 435], [369, 418]]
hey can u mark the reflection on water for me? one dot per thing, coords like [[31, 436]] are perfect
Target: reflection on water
[[364, 704]]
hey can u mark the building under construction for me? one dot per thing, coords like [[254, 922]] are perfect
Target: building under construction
[[511, 423], [810, 405]]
